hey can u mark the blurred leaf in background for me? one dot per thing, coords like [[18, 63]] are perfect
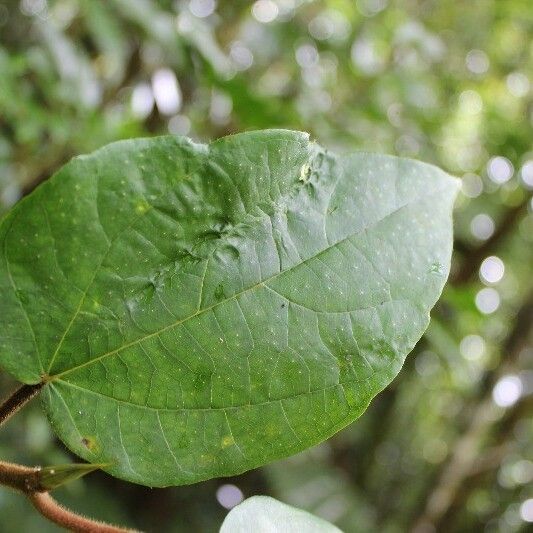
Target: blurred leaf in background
[[449, 446]]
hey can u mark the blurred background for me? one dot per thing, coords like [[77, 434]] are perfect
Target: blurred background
[[448, 446]]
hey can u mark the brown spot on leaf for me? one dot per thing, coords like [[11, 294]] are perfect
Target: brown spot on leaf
[[90, 443]]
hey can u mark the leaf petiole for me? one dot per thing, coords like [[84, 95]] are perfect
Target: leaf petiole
[[18, 400]]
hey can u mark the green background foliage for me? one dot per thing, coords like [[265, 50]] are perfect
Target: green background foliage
[[443, 81]]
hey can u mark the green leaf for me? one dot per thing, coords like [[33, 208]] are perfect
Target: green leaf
[[200, 310], [267, 515]]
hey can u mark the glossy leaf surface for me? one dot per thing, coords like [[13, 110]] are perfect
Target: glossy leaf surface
[[200, 310]]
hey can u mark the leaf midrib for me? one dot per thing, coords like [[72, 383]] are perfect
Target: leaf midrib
[[240, 293]]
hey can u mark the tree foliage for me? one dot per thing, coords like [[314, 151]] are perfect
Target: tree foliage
[[445, 82]]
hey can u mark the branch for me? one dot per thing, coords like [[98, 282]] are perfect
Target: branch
[[49, 508], [17, 400], [463, 461], [465, 452]]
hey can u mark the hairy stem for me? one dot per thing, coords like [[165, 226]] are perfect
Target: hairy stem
[[61, 516], [29, 480], [18, 477], [17, 400]]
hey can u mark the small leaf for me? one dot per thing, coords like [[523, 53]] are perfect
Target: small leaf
[[267, 515], [51, 477], [199, 310]]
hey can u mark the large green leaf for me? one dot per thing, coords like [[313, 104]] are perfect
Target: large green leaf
[[197, 311], [262, 514]]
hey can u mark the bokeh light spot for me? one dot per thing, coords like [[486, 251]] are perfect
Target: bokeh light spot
[[526, 510], [229, 496], [518, 84], [472, 347], [482, 226], [265, 11], [526, 173], [492, 269], [202, 8], [488, 300], [500, 169], [167, 93], [507, 391], [142, 100], [477, 61]]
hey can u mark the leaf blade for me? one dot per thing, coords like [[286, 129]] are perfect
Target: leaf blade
[[271, 516], [259, 290]]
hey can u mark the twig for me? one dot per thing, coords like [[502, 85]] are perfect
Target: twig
[[17, 400], [465, 451], [49, 508], [28, 481], [32, 481], [18, 477]]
